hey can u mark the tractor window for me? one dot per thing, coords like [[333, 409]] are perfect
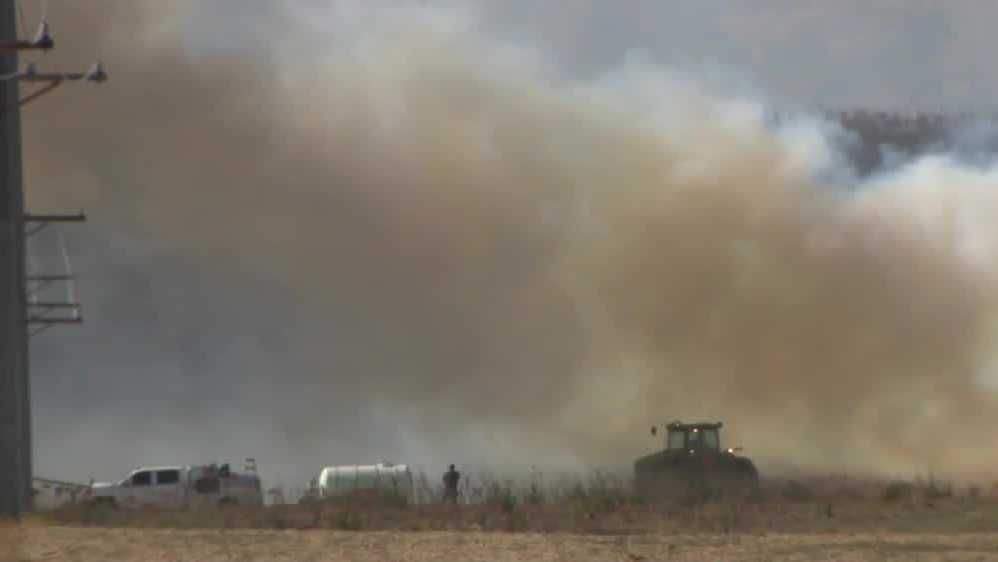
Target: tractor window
[[710, 440], [695, 439], [677, 439]]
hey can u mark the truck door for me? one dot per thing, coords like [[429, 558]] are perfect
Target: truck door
[[138, 490], [168, 491]]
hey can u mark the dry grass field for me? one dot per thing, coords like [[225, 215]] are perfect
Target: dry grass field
[[817, 520], [156, 545]]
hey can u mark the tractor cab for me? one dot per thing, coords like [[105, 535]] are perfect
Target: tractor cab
[[692, 437], [693, 459]]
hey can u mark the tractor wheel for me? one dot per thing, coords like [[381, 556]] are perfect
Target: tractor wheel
[[746, 479], [661, 486]]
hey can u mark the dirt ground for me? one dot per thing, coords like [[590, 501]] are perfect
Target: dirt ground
[[21, 544]]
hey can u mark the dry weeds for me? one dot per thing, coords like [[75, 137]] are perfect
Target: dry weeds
[[825, 505], [840, 519]]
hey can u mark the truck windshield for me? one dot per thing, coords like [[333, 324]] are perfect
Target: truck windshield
[[143, 478]]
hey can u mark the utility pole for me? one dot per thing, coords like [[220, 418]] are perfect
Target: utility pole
[[17, 311], [15, 427]]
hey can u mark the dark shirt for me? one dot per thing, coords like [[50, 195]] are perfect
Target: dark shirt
[[451, 478]]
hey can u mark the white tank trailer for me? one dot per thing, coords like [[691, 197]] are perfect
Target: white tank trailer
[[338, 481]]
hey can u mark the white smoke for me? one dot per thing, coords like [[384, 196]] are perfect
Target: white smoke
[[516, 265]]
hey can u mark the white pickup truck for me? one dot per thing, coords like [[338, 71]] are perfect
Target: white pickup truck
[[179, 487]]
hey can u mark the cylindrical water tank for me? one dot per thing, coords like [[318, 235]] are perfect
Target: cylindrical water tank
[[340, 480]]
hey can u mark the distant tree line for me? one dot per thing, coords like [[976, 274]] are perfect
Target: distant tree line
[[908, 133]]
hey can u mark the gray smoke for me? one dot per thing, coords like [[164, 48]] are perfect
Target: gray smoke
[[394, 235]]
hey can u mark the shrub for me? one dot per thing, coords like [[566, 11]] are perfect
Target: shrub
[[938, 490], [347, 520], [898, 490]]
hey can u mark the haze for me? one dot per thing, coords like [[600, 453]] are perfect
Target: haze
[[506, 235]]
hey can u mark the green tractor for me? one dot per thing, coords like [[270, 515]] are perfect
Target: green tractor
[[693, 462]]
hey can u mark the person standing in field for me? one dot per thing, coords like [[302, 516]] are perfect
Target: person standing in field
[[451, 479]]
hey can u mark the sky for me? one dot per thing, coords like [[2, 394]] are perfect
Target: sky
[[893, 54], [507, 234]]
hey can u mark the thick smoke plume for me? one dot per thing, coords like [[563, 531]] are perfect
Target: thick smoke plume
[[501, 263]]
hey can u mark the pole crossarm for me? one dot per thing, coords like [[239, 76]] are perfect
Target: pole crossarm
[[40, 222], [96, 73], [56, 217], [40, 314], [38, 283], [53, 80], [42, 41], [54, 305]]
